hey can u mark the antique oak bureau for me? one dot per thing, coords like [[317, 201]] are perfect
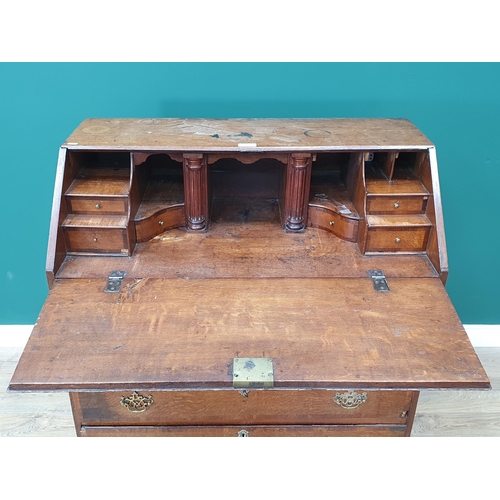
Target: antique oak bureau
[[247, 277]]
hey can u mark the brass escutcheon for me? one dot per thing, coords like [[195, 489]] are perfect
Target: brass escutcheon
[[350, 399], [136, 403], [243, 434]]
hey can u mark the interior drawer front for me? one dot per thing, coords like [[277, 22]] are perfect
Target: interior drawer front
[[165, 219], [397, 239], [105, 206], [247, 431], [258, 407], [396, 204], [343, 227], [96, 240]]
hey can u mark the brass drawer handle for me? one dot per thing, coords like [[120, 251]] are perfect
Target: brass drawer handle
[[136, 403], [398, 240], [98, 206], [396, 205], [350, 399]]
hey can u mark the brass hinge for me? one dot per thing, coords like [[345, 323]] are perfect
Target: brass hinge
[[253, 372], [115, 281], [379, 280]]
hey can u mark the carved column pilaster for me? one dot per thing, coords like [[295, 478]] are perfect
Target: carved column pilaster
[[196, 191], [298, 181]]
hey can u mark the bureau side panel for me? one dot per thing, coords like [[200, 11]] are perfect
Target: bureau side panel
[[56, 251]]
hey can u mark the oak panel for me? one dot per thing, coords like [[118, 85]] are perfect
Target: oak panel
[[395, 187], [322, 333], [252, 135], [248, 249]]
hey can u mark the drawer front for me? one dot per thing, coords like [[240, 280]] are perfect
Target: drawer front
[[96, 240], [397, 239], [396, 204], [249, 431], [257, 407], [343, 227], [104, 206], [165, 219]]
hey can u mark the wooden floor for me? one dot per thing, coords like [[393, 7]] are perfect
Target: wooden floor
[[439, 413]]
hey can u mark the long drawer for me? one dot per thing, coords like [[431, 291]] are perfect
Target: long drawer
[[251, 431], [233, 407]]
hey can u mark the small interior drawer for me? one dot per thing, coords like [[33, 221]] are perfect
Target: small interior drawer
[[396, 204], [96, 205], [397, 239], [96, 240], [159, 222], [344, 227]]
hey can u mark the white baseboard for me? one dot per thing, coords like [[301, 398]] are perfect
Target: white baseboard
[[14, 335], [479, 335], [483, 335]]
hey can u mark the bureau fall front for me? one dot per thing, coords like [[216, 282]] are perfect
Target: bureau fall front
[[247, 277]]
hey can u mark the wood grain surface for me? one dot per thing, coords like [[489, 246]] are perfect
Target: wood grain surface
[[253, 431], [247, 249], [256, 407], [330, 333], [458, 413], [205, 135]]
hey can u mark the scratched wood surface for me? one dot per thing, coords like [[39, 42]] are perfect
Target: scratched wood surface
[[439, 413], [332, 333], [170, 134], [246, 249]]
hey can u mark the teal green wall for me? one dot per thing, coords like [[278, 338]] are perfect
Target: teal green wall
[[456, 105]]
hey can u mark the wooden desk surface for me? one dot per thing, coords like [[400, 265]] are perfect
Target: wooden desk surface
[[205, 135], [184, 333]]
